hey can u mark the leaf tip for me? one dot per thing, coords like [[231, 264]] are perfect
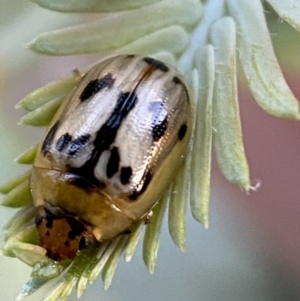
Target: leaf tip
[[128, 257], [19, 105]]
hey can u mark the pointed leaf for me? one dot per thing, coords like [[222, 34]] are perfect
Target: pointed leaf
[[115, 30], [227, 137], [201, 155], [92, 5], [258, 60]]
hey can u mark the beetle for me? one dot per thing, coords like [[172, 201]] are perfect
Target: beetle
[[110, 152]]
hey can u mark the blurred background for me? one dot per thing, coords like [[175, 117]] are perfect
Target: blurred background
[[251, 250]]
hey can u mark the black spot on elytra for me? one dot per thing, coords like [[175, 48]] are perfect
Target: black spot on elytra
[[77, 144], [126, 173], [106, 135], [159, 129], [145, 182], [67, 243], [63, 141], [177, 80], [157, 64], [47, 233], [96, 85], [159, 119], [49, 138], [182, 131], [77, 228], [113, 162]]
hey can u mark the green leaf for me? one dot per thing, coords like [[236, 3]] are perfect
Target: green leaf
[[177, 207], [28, 253], [28, 156], [165, 39], [105, 250], [288, 11], [43, 115], [133, 240], [19, 196], [112, 263], [19, 219], [6, 187], [41, 96], [259, 62], [227, 136], [115, 30], [92, 5], [152, 233], [202, 142], [83, 280], [26, 233]]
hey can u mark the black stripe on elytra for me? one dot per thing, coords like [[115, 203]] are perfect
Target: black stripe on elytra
[[182, 131], [77, 144], [49, 138], [113, 162], [156, 63], [97, 85], [63, 141], [107, 134], [126, 173], [145, 182], [159, 129]]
